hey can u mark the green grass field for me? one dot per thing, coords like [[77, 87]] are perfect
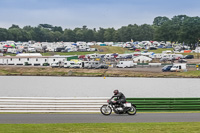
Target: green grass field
[[105, 50], [172, 127]]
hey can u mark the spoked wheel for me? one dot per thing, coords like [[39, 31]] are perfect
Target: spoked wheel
[[132, 110], [106, 110]]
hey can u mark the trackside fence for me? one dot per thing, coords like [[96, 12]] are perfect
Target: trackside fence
[[51, 104], [91, 104], [157, 104]]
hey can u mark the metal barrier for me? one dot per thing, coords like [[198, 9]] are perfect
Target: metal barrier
[[157, 104], [51, 104], [91, 104]]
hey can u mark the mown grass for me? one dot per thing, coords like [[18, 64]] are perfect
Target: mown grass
[[111, 49], [160, 50], [107, 50], [66, 53], [172, 127], [189, 74]]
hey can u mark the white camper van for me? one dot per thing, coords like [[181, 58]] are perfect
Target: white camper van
[[124, 64], [178, 68]]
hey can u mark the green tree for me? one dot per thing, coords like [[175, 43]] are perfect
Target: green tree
[[69, 35], [15, 34], [3, 34], [109, 34], [100, 35], [57, 28], [14, 26], [158, 21]]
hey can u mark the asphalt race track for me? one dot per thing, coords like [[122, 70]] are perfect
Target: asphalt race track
[[99, 118]]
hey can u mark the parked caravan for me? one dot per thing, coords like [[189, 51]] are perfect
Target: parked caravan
[[126, 64], [11, 50], [67, 64], [85, 64], [156, 56], [178, 68], [92, 64], [1, 61], [76, 65], [142, 59], [91, 56], [31, 50], [57, 64]]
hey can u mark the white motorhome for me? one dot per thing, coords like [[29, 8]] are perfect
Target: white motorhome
[[178, 68], [76, 65], [67, 64], [126, 64], [57, 64], [92, 64], [156, 56], [172, 56]]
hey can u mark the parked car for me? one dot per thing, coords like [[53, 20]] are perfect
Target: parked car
[[163, 59], [102, 66], [133, 48], [137, 50], [59, 49], [167, 68], [128, 57], [152, 48], [182, 61], [115, 55], [189, 57]]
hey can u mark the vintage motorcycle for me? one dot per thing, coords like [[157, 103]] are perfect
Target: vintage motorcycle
[[128, 108]]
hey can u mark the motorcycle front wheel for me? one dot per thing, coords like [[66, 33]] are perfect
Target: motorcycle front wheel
[[132, 110], [106, 110]]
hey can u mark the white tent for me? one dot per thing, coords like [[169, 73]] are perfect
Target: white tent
[[142, 59]]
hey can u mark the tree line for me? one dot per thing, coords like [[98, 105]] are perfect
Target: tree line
[[181, 28]]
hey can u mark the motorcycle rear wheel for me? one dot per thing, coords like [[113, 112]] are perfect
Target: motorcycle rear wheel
[[132, 110], [106, 110]]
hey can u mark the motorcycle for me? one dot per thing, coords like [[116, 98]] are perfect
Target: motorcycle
[[128, 108]]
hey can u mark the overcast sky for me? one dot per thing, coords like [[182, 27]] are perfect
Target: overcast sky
[[93, 13]]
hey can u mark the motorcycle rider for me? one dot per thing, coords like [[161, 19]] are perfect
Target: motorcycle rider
[[120, 98]]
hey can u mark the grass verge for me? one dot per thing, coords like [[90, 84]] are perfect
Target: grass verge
[[172, 127], [138, 112], [48, 71]]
